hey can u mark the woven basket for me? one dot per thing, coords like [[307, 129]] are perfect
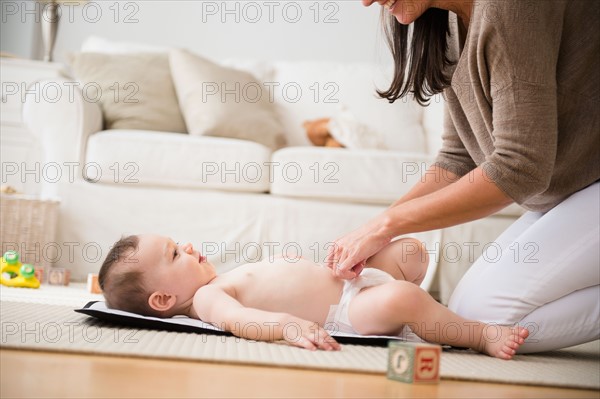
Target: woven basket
[[28, 225]]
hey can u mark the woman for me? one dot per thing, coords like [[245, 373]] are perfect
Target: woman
[[521, 125]]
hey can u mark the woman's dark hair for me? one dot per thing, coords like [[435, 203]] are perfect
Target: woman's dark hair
[[420, 69]]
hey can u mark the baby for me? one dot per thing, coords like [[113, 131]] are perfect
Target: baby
[[293, 300]]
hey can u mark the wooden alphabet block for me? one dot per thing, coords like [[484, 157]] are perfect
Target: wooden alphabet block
[[92, 284], [414, 362], [59, 276], [39, 273]]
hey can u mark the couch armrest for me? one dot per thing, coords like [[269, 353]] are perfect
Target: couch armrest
[[62, 119]]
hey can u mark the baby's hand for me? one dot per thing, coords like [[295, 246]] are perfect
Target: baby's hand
[[308, 335]]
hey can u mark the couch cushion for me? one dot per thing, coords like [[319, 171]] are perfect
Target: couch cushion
[[135, 91], [224, 102], [311, 90], [513, 210], [176, 160], [366, 176]]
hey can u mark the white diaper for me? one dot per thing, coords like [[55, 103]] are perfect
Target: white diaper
[[337, 319]]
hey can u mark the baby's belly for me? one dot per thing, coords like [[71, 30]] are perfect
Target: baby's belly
[[304, 289]]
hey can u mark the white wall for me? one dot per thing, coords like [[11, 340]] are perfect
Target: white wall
[[19, 28], [270, 30]]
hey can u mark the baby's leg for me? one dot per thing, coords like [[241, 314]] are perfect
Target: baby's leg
[[387, 308], [405, 259]]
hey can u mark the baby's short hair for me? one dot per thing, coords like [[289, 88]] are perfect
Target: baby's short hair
[[123, 285]]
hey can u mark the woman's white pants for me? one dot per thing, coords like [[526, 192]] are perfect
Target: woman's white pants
[[542, 273]]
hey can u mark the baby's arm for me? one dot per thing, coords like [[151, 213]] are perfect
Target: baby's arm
[[216, 306]]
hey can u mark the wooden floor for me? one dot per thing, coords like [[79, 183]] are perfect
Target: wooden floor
[[44, 374]]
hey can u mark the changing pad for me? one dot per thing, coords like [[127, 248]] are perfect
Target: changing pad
[[99, 310]]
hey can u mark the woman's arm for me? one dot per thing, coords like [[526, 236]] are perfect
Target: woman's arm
[[434, 179], [212, 304], [471, 197]]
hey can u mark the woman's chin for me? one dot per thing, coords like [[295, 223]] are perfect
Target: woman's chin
[[403, 19]]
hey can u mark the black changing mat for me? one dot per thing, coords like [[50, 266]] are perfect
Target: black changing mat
[[99, 310]]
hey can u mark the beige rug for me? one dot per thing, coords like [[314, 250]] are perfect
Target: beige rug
[[39, 326]]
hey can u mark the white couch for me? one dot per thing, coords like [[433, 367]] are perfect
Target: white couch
[[238, 200]]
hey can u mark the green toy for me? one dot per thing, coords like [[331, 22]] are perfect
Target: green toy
[[15, 274]]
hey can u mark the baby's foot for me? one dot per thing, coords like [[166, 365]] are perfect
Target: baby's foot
[[503, 341]]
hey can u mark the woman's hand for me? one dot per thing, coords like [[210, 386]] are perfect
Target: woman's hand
[[348, 255]]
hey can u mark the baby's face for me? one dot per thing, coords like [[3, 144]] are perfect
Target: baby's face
[[174, 269]]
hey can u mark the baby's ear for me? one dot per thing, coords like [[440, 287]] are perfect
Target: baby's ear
[[161, 302]]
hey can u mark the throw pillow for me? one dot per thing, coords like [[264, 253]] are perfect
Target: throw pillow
[[135, 91], [224, 102]]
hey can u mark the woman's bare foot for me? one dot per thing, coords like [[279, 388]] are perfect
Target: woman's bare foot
[[502, 341]]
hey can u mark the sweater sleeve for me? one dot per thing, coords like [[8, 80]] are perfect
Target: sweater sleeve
[[521, 52], [453, 156]]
